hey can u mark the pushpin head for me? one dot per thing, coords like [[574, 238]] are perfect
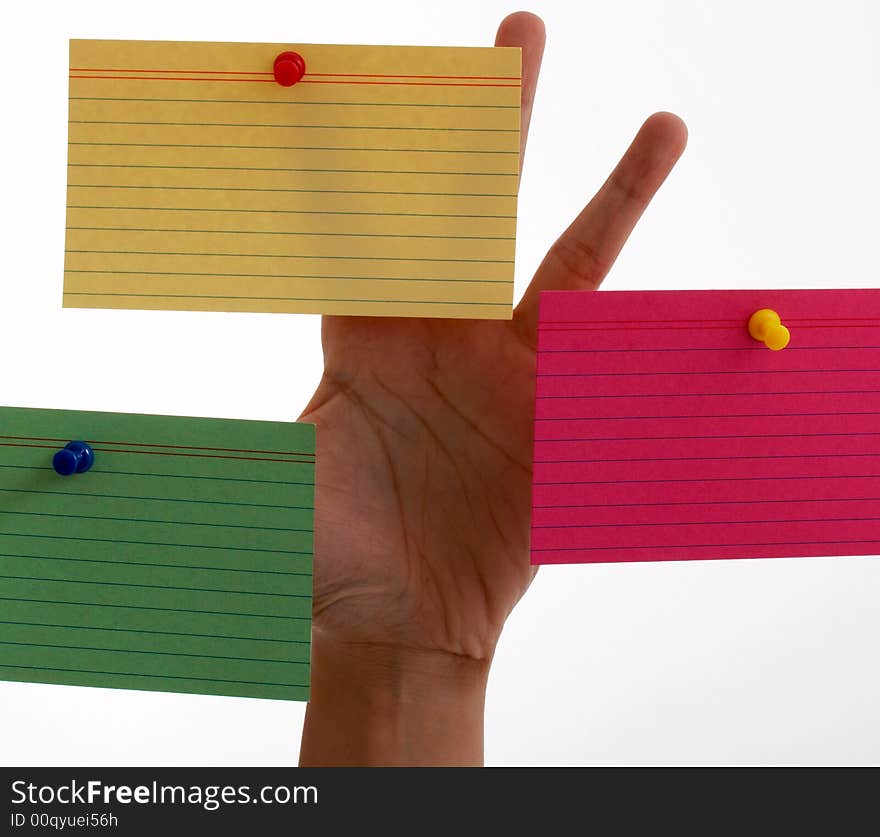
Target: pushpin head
[[75, 458], [289, 68], [765, 325], [777, 337]]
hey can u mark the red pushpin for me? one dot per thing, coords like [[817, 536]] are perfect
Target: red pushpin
[[289, 68]]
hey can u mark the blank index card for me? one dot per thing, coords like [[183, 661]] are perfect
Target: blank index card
[[664, 431], [383, 183], [181, 562]]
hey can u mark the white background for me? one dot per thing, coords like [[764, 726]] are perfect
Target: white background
[[705, 662]]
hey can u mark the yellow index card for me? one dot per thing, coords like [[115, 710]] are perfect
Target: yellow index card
[[383, 183]]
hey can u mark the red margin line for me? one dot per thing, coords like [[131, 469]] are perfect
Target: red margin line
[[154, 445], [303, 81], [261, 73]]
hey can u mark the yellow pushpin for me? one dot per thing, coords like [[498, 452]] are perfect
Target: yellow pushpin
[[765, 325]]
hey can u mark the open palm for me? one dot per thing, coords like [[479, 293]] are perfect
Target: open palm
[[425, 434]]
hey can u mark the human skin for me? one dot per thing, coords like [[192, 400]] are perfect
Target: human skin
[[423, 487]]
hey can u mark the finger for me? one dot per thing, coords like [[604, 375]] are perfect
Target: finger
[[585, 252], [526, 31]]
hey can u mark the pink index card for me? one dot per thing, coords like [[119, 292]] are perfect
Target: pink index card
[[665, 432]]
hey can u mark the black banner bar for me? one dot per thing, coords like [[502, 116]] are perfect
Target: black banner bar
[[265, 801]]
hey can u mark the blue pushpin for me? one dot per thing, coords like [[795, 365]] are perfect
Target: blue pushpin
[[75, 458]]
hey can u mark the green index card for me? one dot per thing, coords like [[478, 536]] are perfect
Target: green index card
[[181, 562]]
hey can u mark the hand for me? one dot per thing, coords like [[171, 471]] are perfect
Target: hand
[[424, 484]]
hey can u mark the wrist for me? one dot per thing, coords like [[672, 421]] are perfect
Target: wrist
[[378, 704]]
